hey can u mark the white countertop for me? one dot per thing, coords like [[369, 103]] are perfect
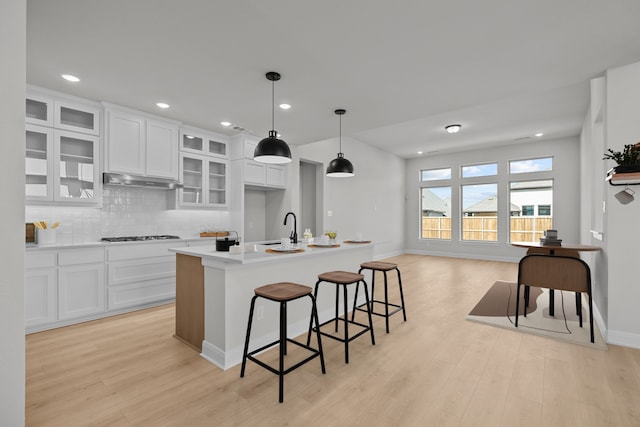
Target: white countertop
[[94, 244], [209, 254]]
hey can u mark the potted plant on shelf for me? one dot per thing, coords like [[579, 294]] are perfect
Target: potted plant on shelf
[[628, 159]]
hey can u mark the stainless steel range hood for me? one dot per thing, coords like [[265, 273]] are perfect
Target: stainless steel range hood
[[125, 180]]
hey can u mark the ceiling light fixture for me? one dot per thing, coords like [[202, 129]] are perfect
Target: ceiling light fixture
[[539, 134], [340, 167], [285, 106], [70, 78], [162, 105], [272, 149], [453, 128], [225, 124]]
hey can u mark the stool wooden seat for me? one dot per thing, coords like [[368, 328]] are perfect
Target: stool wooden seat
[[343, 278], [283, 292], [384, 267]]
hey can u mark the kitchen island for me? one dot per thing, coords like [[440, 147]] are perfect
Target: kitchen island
[[214, 290]]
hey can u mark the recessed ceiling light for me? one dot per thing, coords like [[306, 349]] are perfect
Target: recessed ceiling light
[[539, 134], [453, 128], [225, 124], [162, 105], [70, 78], [419, 152], [285, 106]]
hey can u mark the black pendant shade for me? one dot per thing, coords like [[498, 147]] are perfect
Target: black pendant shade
[[271, 149], [340, 167]]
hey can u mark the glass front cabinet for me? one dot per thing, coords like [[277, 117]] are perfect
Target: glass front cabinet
[[205, 181], [62, 152]]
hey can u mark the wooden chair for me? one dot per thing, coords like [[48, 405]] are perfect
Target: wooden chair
[[548, 251], [556, 272]]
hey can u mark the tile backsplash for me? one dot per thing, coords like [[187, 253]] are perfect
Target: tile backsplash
[[127, 212]]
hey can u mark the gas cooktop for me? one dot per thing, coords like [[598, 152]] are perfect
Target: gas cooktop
[[138, 238]]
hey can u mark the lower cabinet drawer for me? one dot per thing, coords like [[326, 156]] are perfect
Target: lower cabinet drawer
[[125, 296], [123, 272]]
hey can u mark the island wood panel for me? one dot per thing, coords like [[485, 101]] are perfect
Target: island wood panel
[[190, 300]]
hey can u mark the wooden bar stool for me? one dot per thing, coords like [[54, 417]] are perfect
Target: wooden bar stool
[[383, 267], [283, 292], [343, 278]]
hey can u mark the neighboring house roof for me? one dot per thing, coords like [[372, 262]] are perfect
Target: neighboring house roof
[[435, 204], [490, 204]]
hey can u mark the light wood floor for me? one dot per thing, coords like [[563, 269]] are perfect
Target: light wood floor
[[435, 369]]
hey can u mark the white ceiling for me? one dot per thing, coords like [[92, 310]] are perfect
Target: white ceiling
[[403, 69]]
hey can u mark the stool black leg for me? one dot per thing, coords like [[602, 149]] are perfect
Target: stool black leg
[[283, 343], [346, 325], [314, 316], [246, 340], [337, 303], [386, 302], [369, 309], [355, 301], [404, 313], [315, 297]]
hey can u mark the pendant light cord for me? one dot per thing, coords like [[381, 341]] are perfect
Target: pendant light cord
[[340, 133], [273, 105]]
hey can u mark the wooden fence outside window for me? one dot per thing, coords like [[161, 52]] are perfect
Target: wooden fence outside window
[[485, 228]]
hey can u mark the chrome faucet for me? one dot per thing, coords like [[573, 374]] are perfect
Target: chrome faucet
[[294, 233]]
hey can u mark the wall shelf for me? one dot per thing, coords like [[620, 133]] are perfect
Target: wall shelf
[[628, 178]]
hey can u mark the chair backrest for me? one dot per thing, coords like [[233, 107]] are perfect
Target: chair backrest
[[559, 251], [555, 272]]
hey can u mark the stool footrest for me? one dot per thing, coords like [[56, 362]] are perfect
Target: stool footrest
[[397, 308], [315, 353], [365, 329]]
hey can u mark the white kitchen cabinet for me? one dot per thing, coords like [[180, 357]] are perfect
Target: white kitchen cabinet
[[62, 285], [76, 117], [140, 274], [80, 290], [61, 166], [205, 181], [197, 141], [52, 109], [62, 149], [81, 283], [264, 175], [140, 145], [39, 109], [40, 289]]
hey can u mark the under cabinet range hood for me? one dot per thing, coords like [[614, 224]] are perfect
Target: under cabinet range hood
[[125, 180]]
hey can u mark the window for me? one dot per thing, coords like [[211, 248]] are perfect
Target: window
[[436, 213], [480, 212], [435, 174], [489, 169], [527, 210], [544, 210], [531, 165], [527, 197]]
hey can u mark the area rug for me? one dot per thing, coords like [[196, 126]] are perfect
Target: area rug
[[497, 308]]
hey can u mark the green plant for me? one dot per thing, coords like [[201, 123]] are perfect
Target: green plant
[[630, 155]]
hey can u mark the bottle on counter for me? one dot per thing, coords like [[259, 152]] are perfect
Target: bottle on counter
[[307, 234]]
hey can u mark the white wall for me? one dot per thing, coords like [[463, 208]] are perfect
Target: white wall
[[372, 202], [12, 110], [566, 197], [622, 126]]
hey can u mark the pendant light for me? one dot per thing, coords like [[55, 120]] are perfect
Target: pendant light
[[271, 149], [340, 167]]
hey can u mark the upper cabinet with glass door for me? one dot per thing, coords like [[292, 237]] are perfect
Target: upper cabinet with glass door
[[204, 170], [62, 150], [47, 108], [197, 141]]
